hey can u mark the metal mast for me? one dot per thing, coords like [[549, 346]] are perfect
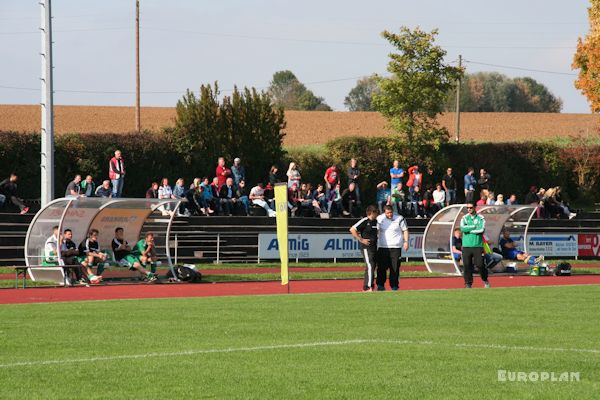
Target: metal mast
[[47, 106]]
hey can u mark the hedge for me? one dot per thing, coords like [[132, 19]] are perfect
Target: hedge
[[513, 166]]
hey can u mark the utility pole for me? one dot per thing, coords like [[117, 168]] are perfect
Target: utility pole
[[457, 138], [47, 106], [138, 127]]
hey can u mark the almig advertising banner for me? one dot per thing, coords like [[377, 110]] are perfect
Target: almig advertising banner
[[324, 246]]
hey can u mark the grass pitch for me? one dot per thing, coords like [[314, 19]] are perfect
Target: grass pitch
[[417, 344]]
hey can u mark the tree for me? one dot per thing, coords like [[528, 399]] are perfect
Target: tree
[[288, 92], [360, 97], [245, 125], [495, 92], [587, 59], [414, 95]]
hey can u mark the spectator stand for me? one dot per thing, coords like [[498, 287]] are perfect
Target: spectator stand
[[135, 216], [437, 239]]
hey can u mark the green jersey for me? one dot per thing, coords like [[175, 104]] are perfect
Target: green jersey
[[472, 227], [139, 248]]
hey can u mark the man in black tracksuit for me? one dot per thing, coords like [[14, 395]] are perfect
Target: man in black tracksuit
[[365, 231]]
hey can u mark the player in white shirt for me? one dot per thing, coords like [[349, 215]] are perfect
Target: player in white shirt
[[392, 238]]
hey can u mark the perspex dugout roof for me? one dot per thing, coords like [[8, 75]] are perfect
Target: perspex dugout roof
[[80, 214], [437, 239]]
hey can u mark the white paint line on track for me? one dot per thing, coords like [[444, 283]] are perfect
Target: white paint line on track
[[296, 346]]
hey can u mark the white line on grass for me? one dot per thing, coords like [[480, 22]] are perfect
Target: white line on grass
[[296, 346]]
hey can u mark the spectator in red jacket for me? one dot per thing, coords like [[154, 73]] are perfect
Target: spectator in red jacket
[[116, 173], [332, 177], [222, 172], [415, 178]]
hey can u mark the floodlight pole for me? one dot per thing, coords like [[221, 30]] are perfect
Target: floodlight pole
[[138, 127], [47, 106], [457, 139]]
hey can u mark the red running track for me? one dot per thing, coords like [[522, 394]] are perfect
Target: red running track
[[42, 295]]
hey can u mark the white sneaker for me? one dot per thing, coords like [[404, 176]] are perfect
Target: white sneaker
[[572, 215], [419, 217], [487, 285]]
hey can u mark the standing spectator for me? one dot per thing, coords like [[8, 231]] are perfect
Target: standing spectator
[[512, 200], [472, 225], [242, 194], [392, 237], [331, 177], [449, 185], [293, 175], [439, 197], [228, 198], [415, 178], [470, 183], [8, 191], [396, 174], [116, 173], [257, 196], [353, 177], [179, 189], [273, 178], [152, 193], [104, 190], [88, 187], [365, 231], [383, 196], [484, 180], [74, 187], [416, 201], [350, 200], [222, 172], [238, 171]]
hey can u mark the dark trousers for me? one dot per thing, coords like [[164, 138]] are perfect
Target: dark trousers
[[388, 259], [473, 257], [370, 256]]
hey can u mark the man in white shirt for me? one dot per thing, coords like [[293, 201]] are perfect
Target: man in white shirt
[[257, 196], [392, 237]]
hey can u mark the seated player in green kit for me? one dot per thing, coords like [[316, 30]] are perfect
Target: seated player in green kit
[[126, 257]]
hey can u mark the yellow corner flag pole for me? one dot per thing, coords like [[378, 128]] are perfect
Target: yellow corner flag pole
[[281, 209]]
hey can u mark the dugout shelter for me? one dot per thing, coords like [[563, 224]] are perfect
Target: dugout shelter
[[437, 239], [80, 214]]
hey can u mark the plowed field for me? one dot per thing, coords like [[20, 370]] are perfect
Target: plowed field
[[308, 127]]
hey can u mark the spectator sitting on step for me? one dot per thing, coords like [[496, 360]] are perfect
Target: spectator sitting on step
[[88, 187], [491, 199], [195, 183], [195, 204], [179, 189], [398, 199], [125, 258], [416, 202], [294, 199], [165, 192], [209, 198], [428, 206], [242, 194], [152, 193], [214, 189], [74, 187], [561, 204], [483, 199], [511, 252], [512, 200], [104, 190], [306, 199], [499, 200], [257, 197], [439, 197], [383, 196], [8, 192], [228, 198], [350, 200], [238, 171], [320, 197]]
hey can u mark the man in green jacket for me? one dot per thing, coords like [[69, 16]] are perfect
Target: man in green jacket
[[472, 225]]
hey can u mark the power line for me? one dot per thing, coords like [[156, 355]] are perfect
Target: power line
[[521, 68]]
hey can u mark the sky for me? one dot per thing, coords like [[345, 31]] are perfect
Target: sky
[[328, 45]]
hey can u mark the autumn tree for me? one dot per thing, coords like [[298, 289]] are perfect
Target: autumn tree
[[587, 59], [414, 94], [288, 92]]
